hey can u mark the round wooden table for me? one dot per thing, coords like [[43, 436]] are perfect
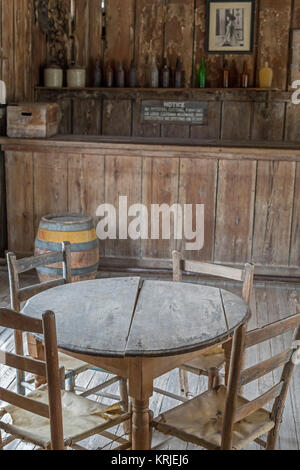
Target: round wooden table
[[139, 329]]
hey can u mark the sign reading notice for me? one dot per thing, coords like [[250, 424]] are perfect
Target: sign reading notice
[[175, 112]]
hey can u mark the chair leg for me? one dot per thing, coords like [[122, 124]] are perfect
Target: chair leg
[[125, 404], [71, 383], [184, 382], [213, 378], [1, 448], [151, 416], [272, 438]]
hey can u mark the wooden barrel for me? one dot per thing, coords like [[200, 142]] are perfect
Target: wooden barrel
[[80, 231]]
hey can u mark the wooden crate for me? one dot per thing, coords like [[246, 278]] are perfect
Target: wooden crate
[[33, 120]]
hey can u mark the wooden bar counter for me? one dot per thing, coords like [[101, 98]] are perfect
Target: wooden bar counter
[[251, 194]]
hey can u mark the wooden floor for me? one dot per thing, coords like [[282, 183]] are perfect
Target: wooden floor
[[269, 302]]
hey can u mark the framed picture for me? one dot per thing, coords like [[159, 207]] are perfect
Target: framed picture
[[230, 26]]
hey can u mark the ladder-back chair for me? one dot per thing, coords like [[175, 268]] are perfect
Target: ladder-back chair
[[73, 367], [49, 417], [221, 418], [210, 363]]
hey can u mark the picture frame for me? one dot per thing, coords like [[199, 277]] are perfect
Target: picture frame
[[230, 26]]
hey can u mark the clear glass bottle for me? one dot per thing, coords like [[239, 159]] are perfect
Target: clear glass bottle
[[154, 75], [178, 74], [132, 76], [245, 76], [120, 76], [109, 75], [165, 75], [226, 75]]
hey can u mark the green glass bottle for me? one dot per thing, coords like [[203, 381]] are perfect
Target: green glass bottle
[[202, 74]]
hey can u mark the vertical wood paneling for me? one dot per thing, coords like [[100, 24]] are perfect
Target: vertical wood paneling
[[268, 121], [149, 36], [82, 29], [274, 27], [179, 27], [86, 117], [295, 240], [120, 19], [198, 179], [20, 200], [84, 197], [50, 185], [117, 117], [8, 65], [273, 212], [122, 178], [142, 128], [160, 186], [236, 120], [95, 43], [292, 125], [3, 224], [212, 129], [235, 205]]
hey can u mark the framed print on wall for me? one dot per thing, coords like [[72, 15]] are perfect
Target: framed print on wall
[[230, 26]]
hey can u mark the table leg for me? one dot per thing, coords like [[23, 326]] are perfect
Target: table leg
[[140, 425]]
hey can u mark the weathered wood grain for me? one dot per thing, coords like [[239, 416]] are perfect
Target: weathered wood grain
[[160, 186], [149, 36], [20, 197], [273, 38], [50, 183], [273, 212], [82, 29], [123, 177], [84, 197], [236, 120], [197, 185], [178, 35], [119, 31], [295, 239], [117, 117], [235, 204], [268, 121], [87, 116]]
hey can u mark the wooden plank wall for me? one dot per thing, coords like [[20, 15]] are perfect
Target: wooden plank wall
[[251, 198], [23, 49], [141, 29]]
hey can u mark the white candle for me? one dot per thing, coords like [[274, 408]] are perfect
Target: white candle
[[72, 11]]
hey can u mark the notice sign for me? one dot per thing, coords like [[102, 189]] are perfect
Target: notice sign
[[175, 112]]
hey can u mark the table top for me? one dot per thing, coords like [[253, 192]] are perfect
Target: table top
[[121, 317]]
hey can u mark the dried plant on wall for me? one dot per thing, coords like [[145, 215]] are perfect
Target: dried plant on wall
[[55, 21]]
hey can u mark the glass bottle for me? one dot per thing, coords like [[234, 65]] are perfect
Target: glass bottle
[[245, 76], [132, 77], [109, 75], [154, 75], [97, 74], [202, 74], [226, 75], [266, 76], [178, 75], [166, 75], [120, 76]]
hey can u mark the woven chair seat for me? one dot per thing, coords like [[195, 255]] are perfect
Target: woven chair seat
[[80, 415], [212, 359], [199, 421]]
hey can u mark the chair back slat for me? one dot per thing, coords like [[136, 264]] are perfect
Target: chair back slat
[[25, 403], [271, 331], [27, 292], [26, 364], [265, 367], [27, 264], [17, 321], [208, 269], [213, 270], [50, 368], [245, 410], [238, 377]]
